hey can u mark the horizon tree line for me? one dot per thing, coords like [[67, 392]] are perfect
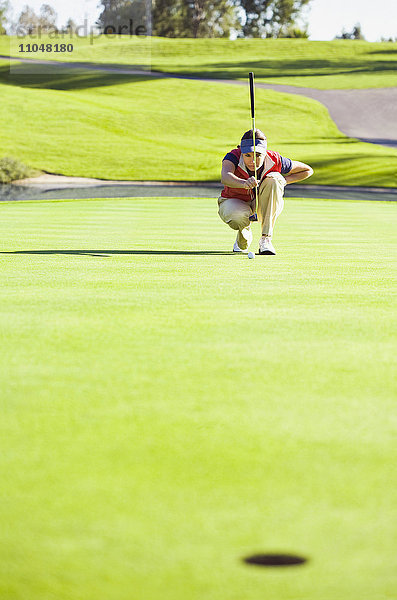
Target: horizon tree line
[[174, 18], [180, 19]]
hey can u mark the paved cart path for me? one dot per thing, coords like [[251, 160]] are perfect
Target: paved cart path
[[369, 115], [56, 187]]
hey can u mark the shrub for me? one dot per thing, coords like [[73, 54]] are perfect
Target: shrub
[[295, 32], [11, 169]]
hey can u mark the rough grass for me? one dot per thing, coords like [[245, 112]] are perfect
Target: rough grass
[[92, 124], [169, 408], [325, 65]]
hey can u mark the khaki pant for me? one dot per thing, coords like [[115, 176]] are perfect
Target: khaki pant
[[236, 213]]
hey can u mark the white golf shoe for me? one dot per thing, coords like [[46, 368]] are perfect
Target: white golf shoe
[[247, 234], [266, 246], [236, 248]]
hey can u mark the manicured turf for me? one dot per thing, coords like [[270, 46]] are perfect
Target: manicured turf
[[169, 408], [113, 127], [325, 65]]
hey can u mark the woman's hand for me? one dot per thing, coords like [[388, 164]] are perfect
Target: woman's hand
[[251, 183]]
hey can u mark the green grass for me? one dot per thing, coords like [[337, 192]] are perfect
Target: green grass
[[123, 127], [325, 65], [169, 408]]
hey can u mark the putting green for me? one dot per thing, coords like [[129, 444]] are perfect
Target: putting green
[[169, 408]]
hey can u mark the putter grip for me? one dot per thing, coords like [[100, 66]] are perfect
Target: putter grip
[[251, 76]]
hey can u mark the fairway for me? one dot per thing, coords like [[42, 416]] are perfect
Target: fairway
[[92, 124], [169, 408], [337, 64], [81, 121]]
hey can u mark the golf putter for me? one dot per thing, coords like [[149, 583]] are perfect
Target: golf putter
[[252, 97]]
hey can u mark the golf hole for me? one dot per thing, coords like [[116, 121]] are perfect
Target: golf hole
[[275, 560]]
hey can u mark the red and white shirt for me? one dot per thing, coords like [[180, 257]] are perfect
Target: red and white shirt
[[274, 163]]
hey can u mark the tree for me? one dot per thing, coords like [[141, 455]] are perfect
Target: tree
[[355, 34], [27, 21], [204, 18], [4, 8], [125, 17], [270, 18], [210, 18], [47, 18], [194, 18], [168, 18], [70, 26]]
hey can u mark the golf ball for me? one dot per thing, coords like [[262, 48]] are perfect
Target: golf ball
[[251, 255]]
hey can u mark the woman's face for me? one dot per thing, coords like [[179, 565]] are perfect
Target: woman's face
[[249, 160]]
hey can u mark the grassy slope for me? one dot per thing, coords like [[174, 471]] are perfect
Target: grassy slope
[[129, 474], [337, 64], [107, 126]]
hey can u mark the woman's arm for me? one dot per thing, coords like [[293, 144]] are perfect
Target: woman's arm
[[231, 180], [299, 172]]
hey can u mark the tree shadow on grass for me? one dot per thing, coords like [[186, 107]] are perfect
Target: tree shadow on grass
[[68, 76], [385, 51], [277, 68], [107, 253], [89, 75], [64, 78]]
